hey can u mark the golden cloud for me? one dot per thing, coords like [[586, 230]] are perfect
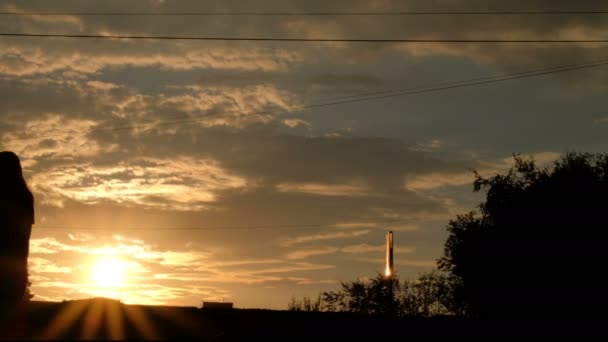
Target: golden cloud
[[55, 136], [436, 180], [182, 183], [325, 189], [324, 236], [366, 248], [306, 253]]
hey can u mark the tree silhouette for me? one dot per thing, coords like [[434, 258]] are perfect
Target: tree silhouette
[[305, 304], [536, 245], [429, 295], [384, 296], [377, 296]]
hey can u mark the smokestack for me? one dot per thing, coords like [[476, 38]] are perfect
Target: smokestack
[[389, 255]]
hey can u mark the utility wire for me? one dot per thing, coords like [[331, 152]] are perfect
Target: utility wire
[[301, 40], [346, 100], [408, 13], [463, 81], [239, 227]]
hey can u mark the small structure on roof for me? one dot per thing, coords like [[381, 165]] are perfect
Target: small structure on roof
[[217, 305]]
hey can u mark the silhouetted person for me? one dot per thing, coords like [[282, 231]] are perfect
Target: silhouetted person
[[16, 219]]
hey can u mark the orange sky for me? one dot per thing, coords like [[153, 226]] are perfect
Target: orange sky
[[191, 170]]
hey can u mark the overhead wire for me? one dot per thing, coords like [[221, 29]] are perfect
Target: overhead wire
[[347, 100], [388, 91], [302, 40], [228, 227], [318, 13]]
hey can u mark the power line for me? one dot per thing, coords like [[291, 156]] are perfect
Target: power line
[[301, 40], [408, 13], [346, 100], [464, 81], [239, 227], [189, 228]]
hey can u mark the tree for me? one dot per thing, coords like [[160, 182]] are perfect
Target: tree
[[535, 246], [305, 304], [384, 296], [429, 295], [378, 296]]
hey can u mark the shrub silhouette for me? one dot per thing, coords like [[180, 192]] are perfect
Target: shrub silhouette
[[384, 296]]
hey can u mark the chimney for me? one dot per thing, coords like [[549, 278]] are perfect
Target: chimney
[[390, 270]]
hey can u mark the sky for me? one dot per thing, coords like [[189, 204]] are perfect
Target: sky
[[172, 172]]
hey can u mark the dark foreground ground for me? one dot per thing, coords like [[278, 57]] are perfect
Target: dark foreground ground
[[107, 319]]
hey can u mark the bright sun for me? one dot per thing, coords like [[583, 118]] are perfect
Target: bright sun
[[109, 273]]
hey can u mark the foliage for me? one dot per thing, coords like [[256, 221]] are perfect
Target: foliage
[[305, 304], [430, 295], [384, 296], [378, 296], [535, 247]]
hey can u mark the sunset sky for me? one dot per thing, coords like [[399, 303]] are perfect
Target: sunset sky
[[187, 170]]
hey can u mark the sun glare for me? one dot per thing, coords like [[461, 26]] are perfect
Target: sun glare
[[109, 273]]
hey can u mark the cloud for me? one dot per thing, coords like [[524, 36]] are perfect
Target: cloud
[[403, 262], [308, 281], [366, 248], [40, 266], [416, 263], [292, 123], [236, 263], [436, 180], [350, 249], [120, 247], [306, 253], [324, 237], [349, 225], [55, 136], [362, 248], [151, 294], [232, 106], [23, 57], [325, 189], [291, 266], [269, 273], [181, 183], [110, 108], [257, 157], [154, 275], [80, 237], [174, 258], [47, 245], [341, 83], [25, 60], [124, 239], [380, 224], [102, 85], [428, 146], [217, 145], [216, 273], [403, 227]]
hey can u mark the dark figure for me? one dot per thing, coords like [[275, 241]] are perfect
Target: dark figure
[[16, 219]]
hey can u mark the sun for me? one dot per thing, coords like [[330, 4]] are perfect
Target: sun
[[109, 273]]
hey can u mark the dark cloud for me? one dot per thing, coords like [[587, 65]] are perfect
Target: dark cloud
[[353, 83], [458, 27]]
